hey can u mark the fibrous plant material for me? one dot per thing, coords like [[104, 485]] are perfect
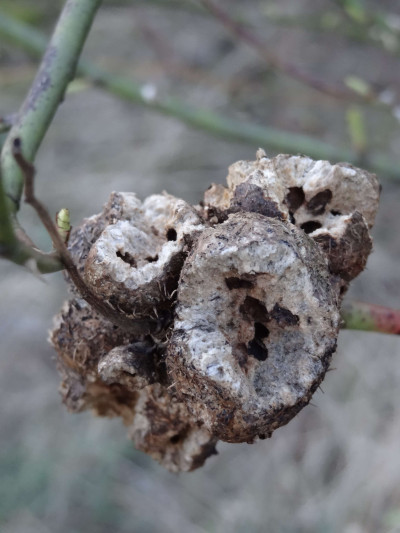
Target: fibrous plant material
[[239, 301], [113, 374]]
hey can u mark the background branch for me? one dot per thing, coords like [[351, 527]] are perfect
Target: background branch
[[292, 70], [213, 123]]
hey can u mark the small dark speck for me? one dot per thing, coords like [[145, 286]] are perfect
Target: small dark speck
[[171, 234], [17, 143], [310, 226]]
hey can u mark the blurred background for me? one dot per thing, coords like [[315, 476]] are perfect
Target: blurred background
[[329, 70]]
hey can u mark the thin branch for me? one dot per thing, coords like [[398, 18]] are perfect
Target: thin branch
[[135, 326], [203, 119], [290, 69], [371, 317], [47, 91], [332, 22]]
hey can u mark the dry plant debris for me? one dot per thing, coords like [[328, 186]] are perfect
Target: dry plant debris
[[242, 296]]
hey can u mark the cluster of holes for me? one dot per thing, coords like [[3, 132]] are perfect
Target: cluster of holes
[[295, 198], [128, 258], [255, 310]]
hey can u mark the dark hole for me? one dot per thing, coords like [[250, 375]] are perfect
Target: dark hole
[[283, 316], [127, 258], [311, 226], [254, 310], [318, 203], [236, 283], [335, 213], [17, 143], [152, 259], [294, 198], [260, 330], [291, 218], [257, 349], [175, 439], [171, 234]]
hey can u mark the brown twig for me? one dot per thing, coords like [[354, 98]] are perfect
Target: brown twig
[[240, 31], [135, 326]]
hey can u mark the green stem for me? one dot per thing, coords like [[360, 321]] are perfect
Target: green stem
[[230, 129], [370, 317], [7, 236], [47, 91], [13, 249]]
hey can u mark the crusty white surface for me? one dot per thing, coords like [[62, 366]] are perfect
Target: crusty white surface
[[286, 268], [133, 256]]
